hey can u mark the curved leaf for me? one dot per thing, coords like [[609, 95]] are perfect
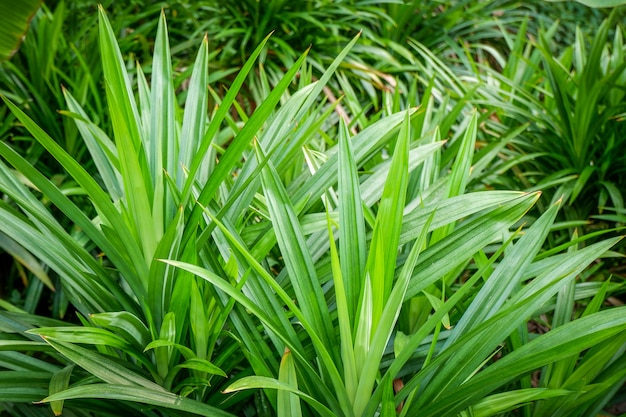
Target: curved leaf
[[571, 338], [261, 382], [15, 18], [138, 394], [598, 3]]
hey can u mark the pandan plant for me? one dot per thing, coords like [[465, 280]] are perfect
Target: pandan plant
[[221, 252]]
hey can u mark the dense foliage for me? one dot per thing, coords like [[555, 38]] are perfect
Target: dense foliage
[[339, 208]]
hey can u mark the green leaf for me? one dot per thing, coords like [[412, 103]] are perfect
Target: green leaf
[[101, 148], [74, 334], [598, 3], [288, 402], [460, 172], [352, 240], [138, 188], [388, 319], [507, 276], [285, 154], [441, 258], [381, 262], [507, 401], [409, 344], [17, 345], [162, 145], [25, 258], [343, 317], [581, 182], [463, 358], [271, 321], [125, 325], [127, 259], [141, 395], [184, 350], [161, 279], [101, 366], [436, 304], [241, 142], [417, 212], [22, 394], [298, 260], [93, 296], [566, 340], [14, 21], [216, 122], [256, 382], [372, 187], [202, 365], [164, 353], [194, 119], [365, 144], [59, 382], [198, 320]]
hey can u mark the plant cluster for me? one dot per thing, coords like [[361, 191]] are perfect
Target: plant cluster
[[415, 216]]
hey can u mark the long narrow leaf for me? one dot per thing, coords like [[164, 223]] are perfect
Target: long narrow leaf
[[297, 259], [566, 340], [141, 395]]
